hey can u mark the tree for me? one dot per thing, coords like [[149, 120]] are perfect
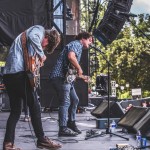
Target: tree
[[130, 54]]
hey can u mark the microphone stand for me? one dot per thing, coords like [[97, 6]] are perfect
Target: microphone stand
[[108, 113]]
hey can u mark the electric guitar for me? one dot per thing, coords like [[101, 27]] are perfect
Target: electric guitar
[[72, 75], [34, 71]]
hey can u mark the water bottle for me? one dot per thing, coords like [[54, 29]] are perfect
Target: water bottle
[[138, 139], [113, 126], [143, 142]]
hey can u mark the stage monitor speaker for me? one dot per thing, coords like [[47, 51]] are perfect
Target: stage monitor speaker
[[143, 124], [101, 111], [131, 119], [112, 22]]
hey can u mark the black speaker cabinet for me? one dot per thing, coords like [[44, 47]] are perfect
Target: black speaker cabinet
[[102, 84], [132, 119], [48, 94], [49, 97], [112, 22], [143, 124], [101, 111]]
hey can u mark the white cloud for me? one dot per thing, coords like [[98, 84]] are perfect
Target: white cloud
[[140, 6]]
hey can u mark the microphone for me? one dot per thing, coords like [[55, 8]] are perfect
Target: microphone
[[97, 49], [126, 14]]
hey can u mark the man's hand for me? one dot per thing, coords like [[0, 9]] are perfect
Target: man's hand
[[86, 79], [42, 59], [80, 72]]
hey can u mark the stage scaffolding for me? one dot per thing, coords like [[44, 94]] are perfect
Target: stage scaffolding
[[91, 13], [86, 14]]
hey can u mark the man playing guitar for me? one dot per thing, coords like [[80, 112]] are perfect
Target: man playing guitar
[[62, 81], [17, 81]]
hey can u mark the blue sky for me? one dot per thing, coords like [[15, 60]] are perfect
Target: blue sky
[[140, 6]]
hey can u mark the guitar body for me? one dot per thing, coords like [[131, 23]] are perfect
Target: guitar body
[[32, 64], [31, 79], [34, 71], [72, 74]]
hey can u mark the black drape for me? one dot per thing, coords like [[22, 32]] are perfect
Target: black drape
[[18, 15]]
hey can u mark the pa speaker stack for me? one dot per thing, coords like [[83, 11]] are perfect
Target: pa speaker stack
[[112, 22], [137, 118]]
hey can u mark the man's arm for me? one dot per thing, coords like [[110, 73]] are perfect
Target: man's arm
[[73, 60], [35, 37]]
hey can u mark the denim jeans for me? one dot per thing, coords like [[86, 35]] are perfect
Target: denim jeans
[[68, 100], [18, 89]]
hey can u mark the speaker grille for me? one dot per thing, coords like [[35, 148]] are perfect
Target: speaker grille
[[101, 111], [132, 117], [112, 23], [143, 124]]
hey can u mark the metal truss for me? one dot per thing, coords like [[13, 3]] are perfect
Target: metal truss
[[53, 14]]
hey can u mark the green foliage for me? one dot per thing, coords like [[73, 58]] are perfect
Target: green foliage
[[146, 93], [3, 54], [124, 95], [143, 24], [129, 54]]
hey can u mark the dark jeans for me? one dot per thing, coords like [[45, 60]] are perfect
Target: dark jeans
[[18, 88], [68, 100]]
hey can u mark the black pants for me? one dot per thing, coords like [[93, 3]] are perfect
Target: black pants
[[18, 88]]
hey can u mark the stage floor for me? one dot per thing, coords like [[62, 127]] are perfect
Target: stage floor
[[85, 122]]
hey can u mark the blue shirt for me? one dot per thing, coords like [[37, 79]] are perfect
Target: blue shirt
[[63, 62], [15, 60]]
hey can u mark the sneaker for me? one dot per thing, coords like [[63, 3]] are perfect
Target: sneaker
[[9, 146], [67, 132], [27, 119], [47, 144], [72, 125]]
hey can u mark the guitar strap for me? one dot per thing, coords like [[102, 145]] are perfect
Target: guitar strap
[[25, 51], [28, 61]]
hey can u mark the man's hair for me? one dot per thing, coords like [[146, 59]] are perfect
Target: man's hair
[[83, 35], [53, 39]]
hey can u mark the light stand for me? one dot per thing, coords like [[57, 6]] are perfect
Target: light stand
[[108, 128]]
